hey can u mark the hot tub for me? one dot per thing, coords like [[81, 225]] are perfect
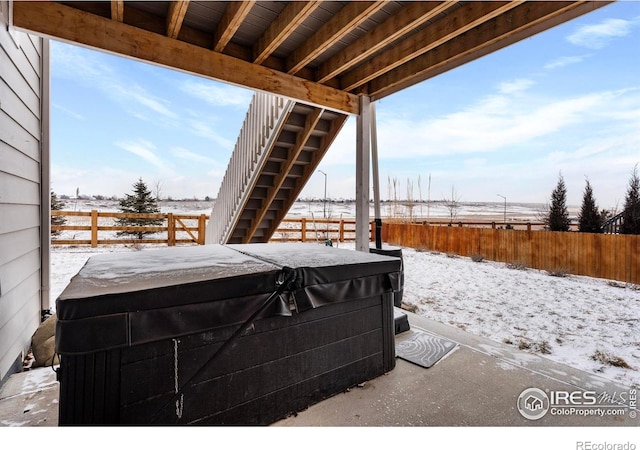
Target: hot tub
[[235, 334]]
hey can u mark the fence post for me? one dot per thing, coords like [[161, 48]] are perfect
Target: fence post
[[94, 228], [303, 230], [202, 220], [528, 226], [341, 238], [171, 230]]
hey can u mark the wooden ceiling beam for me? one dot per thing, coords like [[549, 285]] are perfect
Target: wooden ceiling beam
[[233, 17], [464, 18], [285, 168], [73, 25], [407, 19], [175, 16], [520, 23], [348, 18], [117, 10], [293, 15]]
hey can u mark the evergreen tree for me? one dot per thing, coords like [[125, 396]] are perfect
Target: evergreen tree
[[56, 205], [141, 202], [631, 212], [557, 218], [590, 219]]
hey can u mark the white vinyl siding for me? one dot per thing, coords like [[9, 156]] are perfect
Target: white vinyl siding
[[20, 192]]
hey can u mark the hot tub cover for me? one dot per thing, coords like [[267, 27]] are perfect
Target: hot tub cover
[[126, 299]]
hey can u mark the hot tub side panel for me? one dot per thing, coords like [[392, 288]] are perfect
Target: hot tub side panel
[[280, 366]]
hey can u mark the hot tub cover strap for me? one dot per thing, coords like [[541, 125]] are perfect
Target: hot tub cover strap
[[285, 282]]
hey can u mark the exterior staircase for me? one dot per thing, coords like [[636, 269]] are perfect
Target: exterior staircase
[[612, 226], [280, 146]]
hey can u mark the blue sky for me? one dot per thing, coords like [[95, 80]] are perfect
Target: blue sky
[[564, 101]]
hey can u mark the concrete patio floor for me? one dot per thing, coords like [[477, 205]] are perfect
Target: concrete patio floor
[[477, 384]]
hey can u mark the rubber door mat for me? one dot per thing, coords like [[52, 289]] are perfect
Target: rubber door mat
[[424, 349]]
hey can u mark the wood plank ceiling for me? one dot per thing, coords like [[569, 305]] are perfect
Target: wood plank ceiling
[[324, 53]]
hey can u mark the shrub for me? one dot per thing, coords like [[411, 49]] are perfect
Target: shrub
[[538, 347], [516, 266], [524, 345], [607, 359], [558, 272], [409, 307], [543, 347]]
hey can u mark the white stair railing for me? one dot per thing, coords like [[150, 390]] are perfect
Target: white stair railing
[[265, 117]]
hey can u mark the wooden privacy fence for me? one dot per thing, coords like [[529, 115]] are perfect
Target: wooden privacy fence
[[177, 228], [609, 256]]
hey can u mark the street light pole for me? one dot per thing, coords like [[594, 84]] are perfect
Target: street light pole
[[505, 209], [324, 202]]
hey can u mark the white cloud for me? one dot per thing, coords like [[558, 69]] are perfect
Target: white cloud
[[497, 122], [145, 150], [217, 94], [599, 35], [564, 61], [91, 68], [68, 112], [202, 129], [183, 153], [513, 145], [515, 86], [69, 61], [342, 150], [134, 96]]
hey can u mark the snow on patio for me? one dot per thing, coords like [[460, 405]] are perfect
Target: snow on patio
[[586, 323]]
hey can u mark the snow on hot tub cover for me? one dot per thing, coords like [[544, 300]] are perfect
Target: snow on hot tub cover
[[119, 300]]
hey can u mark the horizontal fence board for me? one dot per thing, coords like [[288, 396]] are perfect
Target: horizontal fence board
[[174, 224], [95, 223], [608, 256]]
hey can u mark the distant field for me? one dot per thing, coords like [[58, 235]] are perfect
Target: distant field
[[489, 211]]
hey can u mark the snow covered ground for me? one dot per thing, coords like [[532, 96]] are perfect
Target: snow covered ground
[[583, 322], [335, 209]]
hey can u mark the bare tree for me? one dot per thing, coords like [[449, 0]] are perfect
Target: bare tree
[[452, 204], [158, 188], [410, 200], [420, 194]]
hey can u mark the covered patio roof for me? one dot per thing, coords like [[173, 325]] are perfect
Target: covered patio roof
[[325, 53]]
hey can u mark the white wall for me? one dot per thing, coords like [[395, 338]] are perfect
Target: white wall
[[21, 188]]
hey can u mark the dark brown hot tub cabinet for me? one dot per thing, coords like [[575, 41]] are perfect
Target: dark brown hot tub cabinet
[[235, 334]]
